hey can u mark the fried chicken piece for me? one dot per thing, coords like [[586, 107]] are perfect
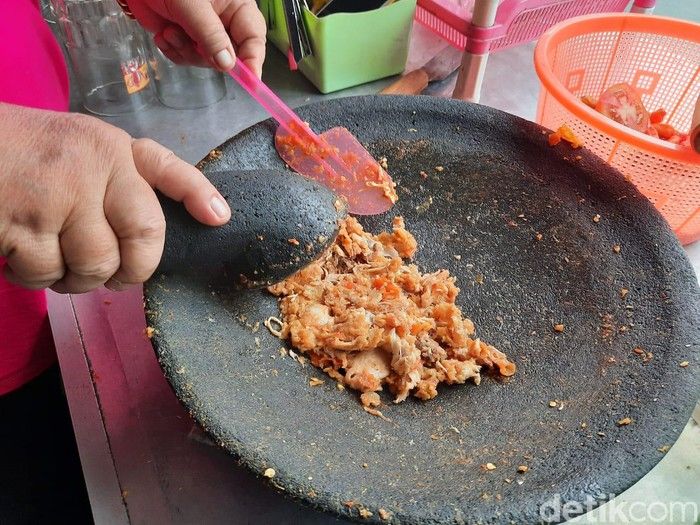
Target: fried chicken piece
[[370, 320]]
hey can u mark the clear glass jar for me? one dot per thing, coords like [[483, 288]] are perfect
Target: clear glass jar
[[108, 54], [184, 87]]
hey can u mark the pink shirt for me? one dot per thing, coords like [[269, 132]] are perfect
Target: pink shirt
[[32, 73]]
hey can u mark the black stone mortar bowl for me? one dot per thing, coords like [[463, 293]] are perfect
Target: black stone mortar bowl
[[513, 219]]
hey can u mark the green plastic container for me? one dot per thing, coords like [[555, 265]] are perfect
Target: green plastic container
[[348, 48]]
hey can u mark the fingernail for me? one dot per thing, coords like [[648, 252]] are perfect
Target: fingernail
[[219, 207], [224, 59]]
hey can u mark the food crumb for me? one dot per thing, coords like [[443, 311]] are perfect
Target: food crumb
[[269, 473], [434, 437], [384, 514], [566, 133], [596, 218], [376, 413], [273, 324], [559, 327], [149, 331], [508, 480], [365, 465], [538, 237], [364, 513], [601, 434], [684, 364], [384, 163], [638, 351], [340, 386], [215, 154], [623, 293], [489, 466], [370, 399], [624, 421], [349, 503], [552, 404], [458, 257], [616, 248], [523, 469], [479, 279], [283, 351], [423, 174], [584, 424], [423, 207], [315, 381], [293, 241], [439, 168], [664, 448]]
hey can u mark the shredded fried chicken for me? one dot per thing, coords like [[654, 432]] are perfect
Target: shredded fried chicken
[[369, 320]]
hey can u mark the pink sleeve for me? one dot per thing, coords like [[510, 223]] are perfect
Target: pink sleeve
[[32, 73]]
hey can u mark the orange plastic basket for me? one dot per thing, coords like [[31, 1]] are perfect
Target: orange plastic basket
[[661, 58]]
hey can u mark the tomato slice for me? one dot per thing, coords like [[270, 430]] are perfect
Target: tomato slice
[[623, 104]]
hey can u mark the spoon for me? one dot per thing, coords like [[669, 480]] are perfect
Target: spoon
[[280, 222]]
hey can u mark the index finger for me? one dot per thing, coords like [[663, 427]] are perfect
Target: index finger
[[180, 181], [247, 29]]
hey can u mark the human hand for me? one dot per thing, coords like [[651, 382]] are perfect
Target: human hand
[[78, 209], [200, 32]]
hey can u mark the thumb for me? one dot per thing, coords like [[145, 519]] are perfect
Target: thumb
[[203, 25], [180, 181]]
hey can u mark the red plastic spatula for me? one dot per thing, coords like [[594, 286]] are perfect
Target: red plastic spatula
[[335, 158]]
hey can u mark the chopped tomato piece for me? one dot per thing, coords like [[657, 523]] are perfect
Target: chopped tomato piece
[[568, 135], [554, 138], [589, 102], [665, 131], [623, 104], [657, 116]]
